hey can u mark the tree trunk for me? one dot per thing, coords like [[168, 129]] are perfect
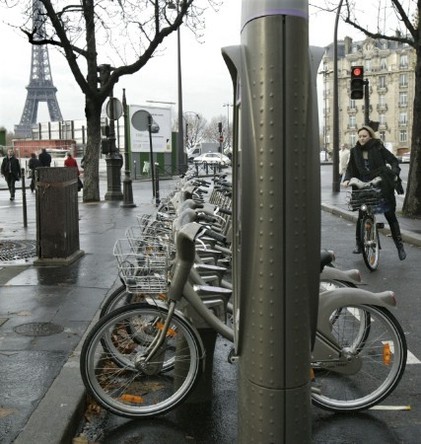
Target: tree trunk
[[93, 147], [412, 202]]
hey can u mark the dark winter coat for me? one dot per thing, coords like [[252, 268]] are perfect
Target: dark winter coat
[[10, 168], [378, 159], [45, 159]]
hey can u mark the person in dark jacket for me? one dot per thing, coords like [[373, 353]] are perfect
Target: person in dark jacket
[[33, 164], [45, 158], [368, 159], [10, 169]]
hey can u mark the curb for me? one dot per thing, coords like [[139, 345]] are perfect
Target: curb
[[407, 236], [58, 415]]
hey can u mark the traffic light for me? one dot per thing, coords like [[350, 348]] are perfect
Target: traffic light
[[357, 82]]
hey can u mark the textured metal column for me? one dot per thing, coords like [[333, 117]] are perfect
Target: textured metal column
[[277, 221]]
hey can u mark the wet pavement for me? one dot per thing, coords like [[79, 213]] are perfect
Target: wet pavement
[[45, 312]]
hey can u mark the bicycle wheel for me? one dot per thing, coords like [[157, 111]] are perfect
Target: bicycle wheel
[[364, 373], [120, 297], [370, 242], [117, 376]]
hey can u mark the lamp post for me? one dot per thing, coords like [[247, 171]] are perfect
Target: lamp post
[[127, 181], [113, 159], [181, 158], [335, 170], [227, 105]]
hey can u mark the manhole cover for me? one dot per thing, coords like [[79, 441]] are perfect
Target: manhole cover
[[38, 329], [12, 250]]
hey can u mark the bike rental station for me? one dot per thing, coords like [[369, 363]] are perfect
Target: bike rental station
[[300, 333]]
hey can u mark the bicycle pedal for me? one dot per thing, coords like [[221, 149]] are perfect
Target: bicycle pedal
[[380, 225]]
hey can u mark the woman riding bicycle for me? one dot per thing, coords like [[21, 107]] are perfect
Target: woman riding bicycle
[[368, 159]]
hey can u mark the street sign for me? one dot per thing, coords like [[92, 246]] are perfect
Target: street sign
[[117, 109]]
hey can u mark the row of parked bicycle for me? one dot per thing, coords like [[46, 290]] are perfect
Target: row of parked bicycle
[[145, 354]]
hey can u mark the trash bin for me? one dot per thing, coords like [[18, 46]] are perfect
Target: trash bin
[[57, 216]]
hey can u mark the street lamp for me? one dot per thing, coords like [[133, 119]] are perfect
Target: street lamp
[[335, 178], [227, 105], [127, 181], [180, 137]]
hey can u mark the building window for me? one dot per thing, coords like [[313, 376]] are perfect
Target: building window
[[352, 122], [403, 118], [403, 79], [382, 119], [367, 65], [382, 99], [403, 136], [382, 135], [352, 139], [403, 61], [352, 104], [382, 81], [383, 63], [403, 99]]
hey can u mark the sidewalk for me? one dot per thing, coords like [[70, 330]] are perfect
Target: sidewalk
[[45, 312]]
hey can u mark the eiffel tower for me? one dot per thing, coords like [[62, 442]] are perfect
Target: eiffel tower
[[40, 88]]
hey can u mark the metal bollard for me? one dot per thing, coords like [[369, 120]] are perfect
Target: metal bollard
[[157, 199], [24, 207]]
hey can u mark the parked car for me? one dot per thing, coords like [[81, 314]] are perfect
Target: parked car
[[212, 159]]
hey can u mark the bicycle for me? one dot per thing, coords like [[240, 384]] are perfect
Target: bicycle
[[154, 355], [367, 198]]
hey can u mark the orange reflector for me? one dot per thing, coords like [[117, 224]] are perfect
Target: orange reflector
[[132, 398], [387, 354], [170, 332]]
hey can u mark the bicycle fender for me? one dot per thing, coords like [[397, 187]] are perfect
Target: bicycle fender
[[342, 275], [332, 299]]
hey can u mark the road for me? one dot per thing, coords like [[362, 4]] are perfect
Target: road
[[404, 278]]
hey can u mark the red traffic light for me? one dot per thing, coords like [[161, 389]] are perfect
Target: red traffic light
[[357, 71], [357, 82]]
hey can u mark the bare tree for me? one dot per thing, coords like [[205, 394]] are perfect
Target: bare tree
[[194, 128], [405, 17], [211, 133], [91, 33]]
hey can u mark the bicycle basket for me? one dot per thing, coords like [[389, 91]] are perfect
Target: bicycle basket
[[372, 197], [143, 271]]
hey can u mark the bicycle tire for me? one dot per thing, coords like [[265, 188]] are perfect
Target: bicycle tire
[[120, 297], [381, 364], [370, 242], [115, 377]]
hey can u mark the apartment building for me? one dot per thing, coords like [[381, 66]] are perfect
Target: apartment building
[[389, 68]]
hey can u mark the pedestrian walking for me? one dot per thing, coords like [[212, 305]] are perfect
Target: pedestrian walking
[[10, 169], [45, 158], [368, 159], [71, 162], [33, 164], [343, 161]]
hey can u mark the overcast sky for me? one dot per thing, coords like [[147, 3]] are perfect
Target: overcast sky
[[206, 81]]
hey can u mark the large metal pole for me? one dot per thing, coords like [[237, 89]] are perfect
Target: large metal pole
[[113, 160], [276, 220], [335, 179], [180, 137]]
